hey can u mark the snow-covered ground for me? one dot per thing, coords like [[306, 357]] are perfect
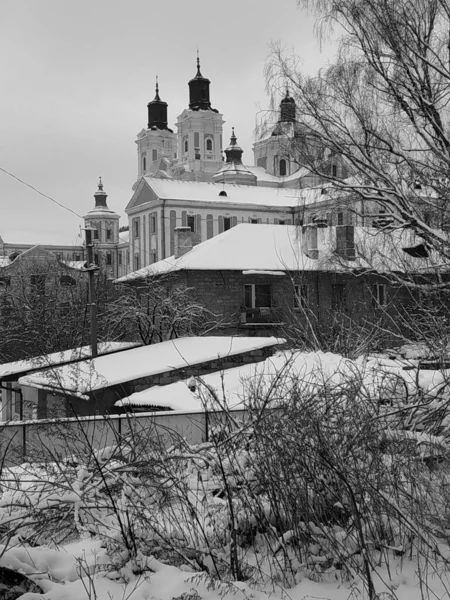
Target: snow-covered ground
[[142, 523], [79, 571]]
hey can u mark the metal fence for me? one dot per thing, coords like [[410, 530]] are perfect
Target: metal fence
[[55, 439]]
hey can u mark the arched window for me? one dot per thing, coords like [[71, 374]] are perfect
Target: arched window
[[186, 145], [209, 146], [144, 163], [282, 167]]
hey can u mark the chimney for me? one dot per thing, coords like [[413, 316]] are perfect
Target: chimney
[[183, 240]]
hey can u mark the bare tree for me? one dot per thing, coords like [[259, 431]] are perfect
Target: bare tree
[[381, 108], [157, 310], [44, 308]]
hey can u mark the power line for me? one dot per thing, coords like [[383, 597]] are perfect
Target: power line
[[40, 193]]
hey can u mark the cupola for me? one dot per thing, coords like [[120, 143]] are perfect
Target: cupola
[[234, 152], [157, 112], [287, 109], [233, 170], [199, 91], [100, 197]]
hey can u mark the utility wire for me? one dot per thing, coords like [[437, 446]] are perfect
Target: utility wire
[[40, 193]]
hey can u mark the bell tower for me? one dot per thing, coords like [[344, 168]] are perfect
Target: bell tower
[[157, 145], [200, 130]]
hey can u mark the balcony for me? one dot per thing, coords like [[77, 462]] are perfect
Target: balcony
[[259, 316]]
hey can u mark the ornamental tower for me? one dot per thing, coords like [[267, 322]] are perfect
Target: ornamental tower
[[200, 130], [274, 153], [157, 145], [105, 223], [234, 170]]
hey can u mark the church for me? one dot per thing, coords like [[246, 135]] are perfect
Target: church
[[188, 178]]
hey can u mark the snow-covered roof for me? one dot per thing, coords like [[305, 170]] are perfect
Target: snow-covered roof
[[86, 376], [270, 248], [77, 265], [57, 358], [310, 371], [198, 191]]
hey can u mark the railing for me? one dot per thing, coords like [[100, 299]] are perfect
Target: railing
[[258, 315]]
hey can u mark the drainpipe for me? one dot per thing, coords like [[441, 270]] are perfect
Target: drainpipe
[[163, 230]]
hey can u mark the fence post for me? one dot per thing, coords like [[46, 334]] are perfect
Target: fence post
[[24, 442]]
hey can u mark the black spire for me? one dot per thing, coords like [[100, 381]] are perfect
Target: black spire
[[199, 91], [100, 196], [157, 112], [287, 108], [234, 152]]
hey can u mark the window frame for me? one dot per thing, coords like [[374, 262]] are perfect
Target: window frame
[[252, 287], [190, 222], [379, 294], [136, 227], [300, 299]]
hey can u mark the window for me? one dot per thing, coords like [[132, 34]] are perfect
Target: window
[[300, 295], [379, 294], [153, 223], [186, 145], [226, 223], [340, 218], [6, 307], [17, 402], [282, 167], [334, 170], [254, 221], [108, 234], [144, 163], [38, 283], [136, 228], [209, 145], [137, 262], [77, 257], [196, 140], [338, 297], [4, 283], [281, 222], [191, 222], [96, 235], [257, 295], [119, 258], [154, 154], [66, 281], [108, 258]]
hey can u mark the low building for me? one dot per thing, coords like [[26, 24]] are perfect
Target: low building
[[270, 278], [93, 386], [22, 402]]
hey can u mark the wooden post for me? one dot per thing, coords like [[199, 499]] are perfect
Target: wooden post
[[91, 268]]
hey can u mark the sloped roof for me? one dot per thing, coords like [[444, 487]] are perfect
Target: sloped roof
[[57, 358], [81, 378], [194, 191], [280, 248]]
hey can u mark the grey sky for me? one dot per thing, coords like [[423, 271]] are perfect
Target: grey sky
[[77, 76]]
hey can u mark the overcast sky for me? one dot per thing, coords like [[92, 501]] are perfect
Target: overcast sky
[[76, 78]]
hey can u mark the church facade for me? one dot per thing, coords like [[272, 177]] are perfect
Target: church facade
[[188, 178]]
